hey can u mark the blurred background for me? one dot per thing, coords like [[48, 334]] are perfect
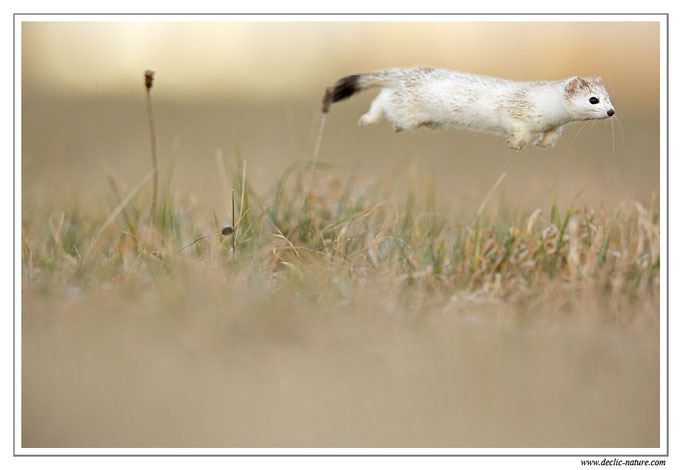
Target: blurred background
[[254, 89]]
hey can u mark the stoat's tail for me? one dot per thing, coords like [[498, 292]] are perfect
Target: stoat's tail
[[348, 86]]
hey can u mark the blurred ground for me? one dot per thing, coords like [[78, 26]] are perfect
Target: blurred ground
[[206, 358]]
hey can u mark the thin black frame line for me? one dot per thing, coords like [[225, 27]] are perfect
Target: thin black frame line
[[667, 230], [341, 14], [14, 235], [343, 455], [667, 452]]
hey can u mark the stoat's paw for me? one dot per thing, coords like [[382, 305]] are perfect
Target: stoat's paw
[[543, 144], [548, 139], [547, 142], [368, 119], [516, 143]]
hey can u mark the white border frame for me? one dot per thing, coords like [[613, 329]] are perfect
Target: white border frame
[[594, 453]]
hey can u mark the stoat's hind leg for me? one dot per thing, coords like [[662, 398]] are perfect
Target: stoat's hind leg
[[519, 137], [376, 110], [549, 138]]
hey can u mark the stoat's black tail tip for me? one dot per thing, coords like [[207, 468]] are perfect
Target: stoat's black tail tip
[[343, 89]]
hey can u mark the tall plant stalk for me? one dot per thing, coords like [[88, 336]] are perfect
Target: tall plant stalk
[[148, 79]]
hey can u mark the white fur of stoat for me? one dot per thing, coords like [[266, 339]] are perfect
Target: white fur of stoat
[[437, 98]]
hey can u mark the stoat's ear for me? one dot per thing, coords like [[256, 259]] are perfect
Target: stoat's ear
[[575, 84], [599, 80]]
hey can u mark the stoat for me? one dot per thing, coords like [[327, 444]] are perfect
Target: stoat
[[437, 98]]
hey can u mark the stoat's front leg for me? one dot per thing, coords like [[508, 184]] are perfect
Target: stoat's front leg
[[549, 138]]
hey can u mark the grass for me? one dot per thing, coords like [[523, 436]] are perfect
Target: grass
[[358, 231]]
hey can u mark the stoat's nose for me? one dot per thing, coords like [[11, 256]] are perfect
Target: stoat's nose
[[611, 112]]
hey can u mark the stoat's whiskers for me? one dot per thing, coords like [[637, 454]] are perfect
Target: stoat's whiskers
[[622, 131], [577, 134]]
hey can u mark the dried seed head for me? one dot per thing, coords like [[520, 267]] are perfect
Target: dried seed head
[[327, 100], [227, 230], [148, 78]]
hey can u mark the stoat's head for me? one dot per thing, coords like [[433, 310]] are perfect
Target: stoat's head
[[587, 98]]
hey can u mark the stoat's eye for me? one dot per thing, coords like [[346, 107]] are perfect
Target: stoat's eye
[[594, 100]]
